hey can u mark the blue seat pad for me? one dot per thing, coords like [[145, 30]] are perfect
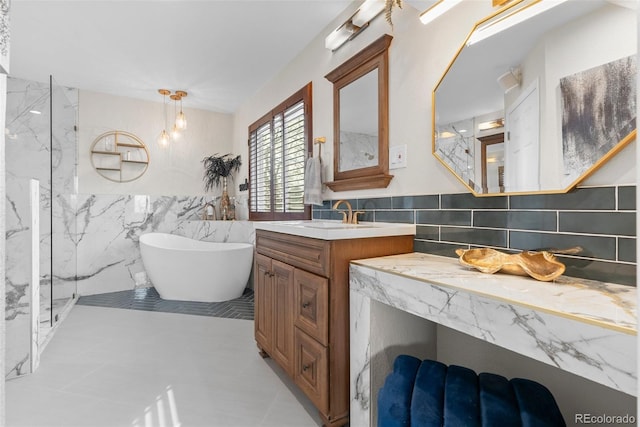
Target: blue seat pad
[[427, 403], [537, 406], [394, 399], [498, 404], [461, 398]]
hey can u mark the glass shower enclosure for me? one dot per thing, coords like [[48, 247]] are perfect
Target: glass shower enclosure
[[41, 145]]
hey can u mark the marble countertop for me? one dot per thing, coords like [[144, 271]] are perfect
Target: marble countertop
[[336, 230], [598, 303]]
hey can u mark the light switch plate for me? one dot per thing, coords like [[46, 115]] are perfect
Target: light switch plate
[[398, 156]]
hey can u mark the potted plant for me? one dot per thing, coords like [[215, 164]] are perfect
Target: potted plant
[[218, 168]]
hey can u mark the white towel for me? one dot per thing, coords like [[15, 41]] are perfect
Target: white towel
[[313, 181]]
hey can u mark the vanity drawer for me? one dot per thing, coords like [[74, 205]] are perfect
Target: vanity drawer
[[312, 370], [311, 305], [302, 252]]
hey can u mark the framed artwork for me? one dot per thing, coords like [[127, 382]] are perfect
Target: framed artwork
[[598, 112]]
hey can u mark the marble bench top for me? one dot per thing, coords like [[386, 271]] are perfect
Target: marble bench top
[[601, 304], [581, 326]]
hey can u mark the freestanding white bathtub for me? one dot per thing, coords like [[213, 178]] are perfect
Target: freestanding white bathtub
[[191, 270]]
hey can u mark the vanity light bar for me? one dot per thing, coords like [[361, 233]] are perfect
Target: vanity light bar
[[493, 124], [514, 18], [341, 35], [357, 22], [436, 10]]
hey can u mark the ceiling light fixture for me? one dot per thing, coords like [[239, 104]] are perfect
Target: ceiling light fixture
[[514, 18], [437, 10], [180, 122], [163, 138]]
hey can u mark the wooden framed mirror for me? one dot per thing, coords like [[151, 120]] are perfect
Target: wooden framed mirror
[[361, 119], [560, 86]]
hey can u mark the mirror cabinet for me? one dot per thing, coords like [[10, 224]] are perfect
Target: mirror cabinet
[[360, 119], [542, 103]]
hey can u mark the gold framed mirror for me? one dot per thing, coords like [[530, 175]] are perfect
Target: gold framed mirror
[[559, 82], [361, 119]]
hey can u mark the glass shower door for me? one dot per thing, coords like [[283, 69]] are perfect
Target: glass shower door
[[64, 113]]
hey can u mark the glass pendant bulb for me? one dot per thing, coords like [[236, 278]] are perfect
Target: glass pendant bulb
[[175, 133], [163, 138], [181, 119]]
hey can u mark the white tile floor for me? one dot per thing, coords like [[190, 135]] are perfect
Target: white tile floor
[[114, 367]]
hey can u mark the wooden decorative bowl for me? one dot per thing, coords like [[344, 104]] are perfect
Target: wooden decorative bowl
[[541, 266]]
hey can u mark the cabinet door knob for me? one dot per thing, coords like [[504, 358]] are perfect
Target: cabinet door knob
[[306, 304], [305, 368]]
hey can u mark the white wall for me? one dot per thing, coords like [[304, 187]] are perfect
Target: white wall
[[174, 171], [419, 55]]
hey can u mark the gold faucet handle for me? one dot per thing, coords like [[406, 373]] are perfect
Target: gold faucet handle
[[344, 216], [354, 218]]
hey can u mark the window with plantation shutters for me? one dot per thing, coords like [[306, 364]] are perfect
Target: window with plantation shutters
[[278, 144]]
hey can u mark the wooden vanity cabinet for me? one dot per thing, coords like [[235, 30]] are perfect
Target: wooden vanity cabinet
[[301, 290]]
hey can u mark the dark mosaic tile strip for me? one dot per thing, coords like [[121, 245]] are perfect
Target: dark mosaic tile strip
[[148, 299]]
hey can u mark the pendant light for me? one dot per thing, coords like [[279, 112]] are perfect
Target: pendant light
[[163, 138], [175, 132], [181, 119]]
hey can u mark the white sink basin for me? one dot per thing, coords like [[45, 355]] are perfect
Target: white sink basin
[[334, 225], [336, 230]]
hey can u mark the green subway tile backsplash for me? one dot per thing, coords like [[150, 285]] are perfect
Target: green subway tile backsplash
[[415, 202], [615, 223], [592, 246], [469, 201], [601, 220], [518, 220], [627, 198], [597, 198], [443, 217]]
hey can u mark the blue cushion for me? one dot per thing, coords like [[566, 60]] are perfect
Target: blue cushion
[[430, 394], [427, 403], [394, 398], [537, 406], [461, 398], [498, 404]]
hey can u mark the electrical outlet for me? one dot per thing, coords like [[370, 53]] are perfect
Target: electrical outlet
[[398, 156]]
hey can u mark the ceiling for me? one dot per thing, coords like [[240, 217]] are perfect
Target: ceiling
[[220, 51]]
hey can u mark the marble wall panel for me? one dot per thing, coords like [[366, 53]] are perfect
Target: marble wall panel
[[109, 227]]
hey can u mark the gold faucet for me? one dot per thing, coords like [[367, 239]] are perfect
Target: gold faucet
[[349, 217], [206, 215]]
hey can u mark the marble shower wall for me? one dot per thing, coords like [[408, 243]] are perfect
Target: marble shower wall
[[35, 148], [109, 226]]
